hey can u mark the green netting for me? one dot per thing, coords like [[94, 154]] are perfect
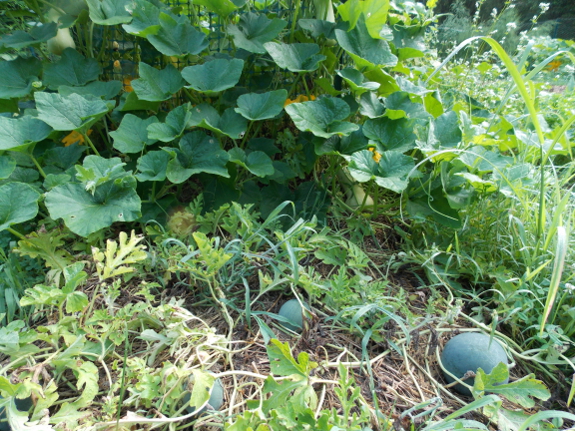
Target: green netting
[[123, 52]]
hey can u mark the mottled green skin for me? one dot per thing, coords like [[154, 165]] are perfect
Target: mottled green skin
[[470, 351], [292, 311], [22, 405]]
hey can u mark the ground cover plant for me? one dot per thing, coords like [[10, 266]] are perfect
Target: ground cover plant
[[267, 151]]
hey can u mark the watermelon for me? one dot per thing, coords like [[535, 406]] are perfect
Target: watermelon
[[471, 351]]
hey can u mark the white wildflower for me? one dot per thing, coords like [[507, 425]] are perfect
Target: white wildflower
[[511, 26], [544, 7]]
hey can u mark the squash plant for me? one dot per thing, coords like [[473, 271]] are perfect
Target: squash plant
[[235, 99]]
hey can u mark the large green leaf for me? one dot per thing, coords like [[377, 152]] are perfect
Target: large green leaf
[[104, 89], [221, 7], [84, 213], [260, 106], [214, 76], [391, 134], [357, 81], [296, 57], [370, 105], [390, 172], [400, 105], [447, 130], [109, 12], [322, 117], [365, 50], [253, 30], [347, 145], [18, 133], [374, 12], [18, 203], [72, 69], [132, 135], [18, 76], [22, 39], [96, 171], [177, 37], [152, 166], [72, 112], [145, 19], [176, 122], [157, 85], [230, 123], [257, 162], [198, 153], [7, 166]]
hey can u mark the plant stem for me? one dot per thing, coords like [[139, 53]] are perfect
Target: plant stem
[[38, 165], [15, 233], [90, 143], [294, 20]]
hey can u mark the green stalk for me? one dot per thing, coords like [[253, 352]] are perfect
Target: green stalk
[[87, 139], [122, 382], [294, 20], [15, 233], [560, 253], [37, 165]]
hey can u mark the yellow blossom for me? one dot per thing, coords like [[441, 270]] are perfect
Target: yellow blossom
[[299, 99], [376, 155], [73, 137]]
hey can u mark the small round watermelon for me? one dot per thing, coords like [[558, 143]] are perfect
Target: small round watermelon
[[470, 351], [292, 311], [216, 398]]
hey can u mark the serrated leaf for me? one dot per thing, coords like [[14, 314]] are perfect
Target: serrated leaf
[[230, 123], [85, 213], [119, 256], [281, 391], [49, 246], [177, 37], [390, 172], [18, 203], [72, 112], [36, 35], [72, 69], [132, 134], [109, 12], [157, 85], [18, 133], [18, 76], [282, 362], [518, 391], [261, 106], [152, 166], [253, 30], [176, 122], [322, 117], [214, 76], [203, 383], [296, 57], [198, 153]]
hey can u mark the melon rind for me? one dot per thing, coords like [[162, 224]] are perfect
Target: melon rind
[[470, 351]]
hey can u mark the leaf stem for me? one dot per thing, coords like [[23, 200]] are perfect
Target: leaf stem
[[37, 165], [90, 143], [294, 20], [15, 233]]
